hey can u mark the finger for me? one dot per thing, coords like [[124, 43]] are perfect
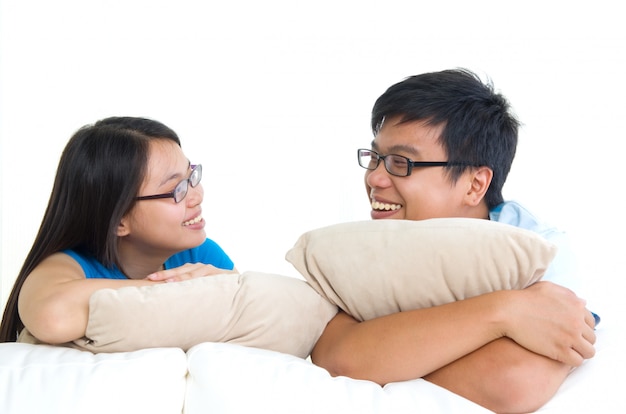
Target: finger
[[585, 350], [179, 277], [590, 336], [592, 319], [571, 357], [162, 275], [158, 276]]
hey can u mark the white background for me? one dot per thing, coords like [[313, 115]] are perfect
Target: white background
[[273, 97]]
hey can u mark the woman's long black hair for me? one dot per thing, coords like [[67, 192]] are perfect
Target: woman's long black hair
[[99, 175]]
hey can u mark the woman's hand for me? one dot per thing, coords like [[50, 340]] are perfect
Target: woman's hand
[[186, 272], [552, 321]]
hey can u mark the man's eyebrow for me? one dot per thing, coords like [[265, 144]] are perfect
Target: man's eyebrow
[[404, 148], [398, 148]]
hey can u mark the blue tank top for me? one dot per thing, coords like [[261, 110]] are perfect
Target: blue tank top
[[208, 252]]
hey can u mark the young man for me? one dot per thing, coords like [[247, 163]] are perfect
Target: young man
[[508, 351]]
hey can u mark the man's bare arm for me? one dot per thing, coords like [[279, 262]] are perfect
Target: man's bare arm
[[503, 377], [547, 319]]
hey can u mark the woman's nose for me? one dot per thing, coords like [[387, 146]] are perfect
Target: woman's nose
[[195, 195]]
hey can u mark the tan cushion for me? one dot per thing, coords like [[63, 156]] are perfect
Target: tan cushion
[[377, 267], [260, 310]]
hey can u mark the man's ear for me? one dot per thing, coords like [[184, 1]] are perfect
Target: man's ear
[[123, 229], [480, 180]]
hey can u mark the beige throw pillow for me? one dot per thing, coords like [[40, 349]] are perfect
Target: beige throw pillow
[[273, 312], [378, 267]]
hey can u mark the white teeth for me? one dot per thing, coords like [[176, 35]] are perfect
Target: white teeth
[[384, 206], [194, 221]]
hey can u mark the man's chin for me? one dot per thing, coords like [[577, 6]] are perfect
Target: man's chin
[[386, 214]]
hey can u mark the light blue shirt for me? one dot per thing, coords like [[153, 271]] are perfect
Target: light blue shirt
[[562, 269]]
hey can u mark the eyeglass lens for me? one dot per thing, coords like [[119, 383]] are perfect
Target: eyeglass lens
[[394, 164], [194, 179]]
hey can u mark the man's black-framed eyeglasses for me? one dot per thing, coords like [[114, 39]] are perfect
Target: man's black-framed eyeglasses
[[180, 191], [397, 165]]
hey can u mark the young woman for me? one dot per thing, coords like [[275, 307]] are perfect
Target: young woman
[[125, 210]]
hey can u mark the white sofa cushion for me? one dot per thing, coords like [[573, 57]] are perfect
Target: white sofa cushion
[[229, 379], [50, 380]]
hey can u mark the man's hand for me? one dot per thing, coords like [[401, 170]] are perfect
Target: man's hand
[[552, 321]]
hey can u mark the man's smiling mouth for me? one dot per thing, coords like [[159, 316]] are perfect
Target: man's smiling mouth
[[377, 205]]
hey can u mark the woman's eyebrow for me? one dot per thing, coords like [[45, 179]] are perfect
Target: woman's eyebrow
[[176, 176]]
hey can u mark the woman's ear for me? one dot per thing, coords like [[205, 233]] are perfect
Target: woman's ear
[[480, 180], [123, 229]]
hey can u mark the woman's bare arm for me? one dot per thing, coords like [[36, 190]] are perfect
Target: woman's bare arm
[[54, 300]]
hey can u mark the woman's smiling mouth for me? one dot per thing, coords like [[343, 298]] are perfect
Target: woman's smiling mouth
[[192, 221]]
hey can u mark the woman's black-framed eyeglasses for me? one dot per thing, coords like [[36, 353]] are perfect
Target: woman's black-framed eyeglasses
[[397, 165], [180, 191]]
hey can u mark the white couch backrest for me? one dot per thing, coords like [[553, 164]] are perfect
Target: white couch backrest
[[46, 379]]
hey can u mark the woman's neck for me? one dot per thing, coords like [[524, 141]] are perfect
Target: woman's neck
[[137, 264]]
